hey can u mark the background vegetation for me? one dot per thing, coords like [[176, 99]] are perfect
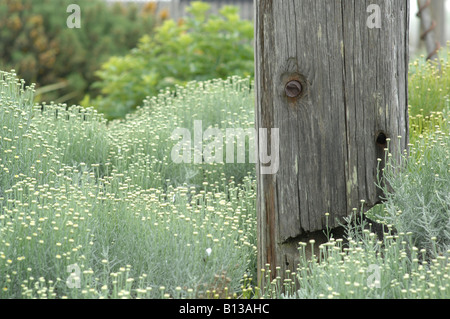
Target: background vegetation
[[36, 42], [201, 47]]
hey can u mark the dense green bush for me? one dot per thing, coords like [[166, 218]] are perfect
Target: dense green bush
[[200, 48], [420, 200], [77, 192], [36, 42], [417, 190], [147, 134], [30, 136]]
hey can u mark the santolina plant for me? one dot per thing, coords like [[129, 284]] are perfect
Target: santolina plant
[[79, 219], [143, 141], [420, 198], [361, 266], [213, 151]]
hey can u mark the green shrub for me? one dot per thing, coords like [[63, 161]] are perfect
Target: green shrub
[[143, 142], [37, 43], [202, 47], [74, 193], [417, 188], [368, 268], [418, 192], [362, 266], [33, 136]]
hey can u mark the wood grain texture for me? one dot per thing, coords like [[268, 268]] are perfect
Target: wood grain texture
[[354, 81]]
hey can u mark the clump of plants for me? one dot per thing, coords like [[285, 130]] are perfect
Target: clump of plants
[[361, 266], [78, 219], [419, 201], [417, 189], [201, 47], [146, 141]]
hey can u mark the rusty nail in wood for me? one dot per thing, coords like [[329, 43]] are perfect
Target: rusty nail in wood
[[293, 88]]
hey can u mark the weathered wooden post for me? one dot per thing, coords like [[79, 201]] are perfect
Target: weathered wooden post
[[331, 76]]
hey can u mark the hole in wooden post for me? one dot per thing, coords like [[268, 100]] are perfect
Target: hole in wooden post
[[382, 139], [380, 153]]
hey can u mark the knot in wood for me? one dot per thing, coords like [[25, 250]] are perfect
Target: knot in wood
[[293, 89]]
